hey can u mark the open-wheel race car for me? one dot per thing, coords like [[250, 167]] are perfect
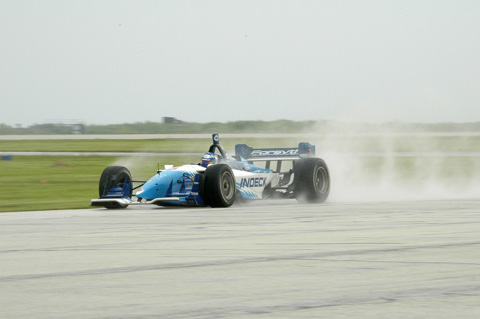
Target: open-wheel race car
[[219, 179]]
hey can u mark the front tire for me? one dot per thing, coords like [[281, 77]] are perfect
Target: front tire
[[312, 180], [219, 186], [114, 176]]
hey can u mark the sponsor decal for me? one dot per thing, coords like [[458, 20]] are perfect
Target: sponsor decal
[[253, 182], [286, 152]]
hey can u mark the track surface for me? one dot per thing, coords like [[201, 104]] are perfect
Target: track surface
[[278, 260]]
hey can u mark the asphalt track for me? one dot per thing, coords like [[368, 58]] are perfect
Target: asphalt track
[[418, 259]]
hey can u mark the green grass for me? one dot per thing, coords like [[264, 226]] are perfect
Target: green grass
[[69, 182], [149, 145], [31, 183], [64, 182], [336, 143]]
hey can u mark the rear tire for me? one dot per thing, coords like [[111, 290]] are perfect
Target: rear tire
[[312, 180], [219, 186], [114, 176]]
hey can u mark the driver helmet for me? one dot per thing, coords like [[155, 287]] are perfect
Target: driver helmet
[[209, 158]]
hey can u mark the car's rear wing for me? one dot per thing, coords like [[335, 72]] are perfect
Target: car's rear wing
[[267, 154]]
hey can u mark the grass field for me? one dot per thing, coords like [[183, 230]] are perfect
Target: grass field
[[69, 182], [350, 143], [154, 145], [62, 182]]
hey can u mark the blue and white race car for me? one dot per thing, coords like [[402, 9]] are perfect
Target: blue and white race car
[[219, 179]]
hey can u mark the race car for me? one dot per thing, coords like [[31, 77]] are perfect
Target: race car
[[218, 179]]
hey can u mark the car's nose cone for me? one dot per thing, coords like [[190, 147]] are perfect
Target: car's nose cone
[[161, 185]]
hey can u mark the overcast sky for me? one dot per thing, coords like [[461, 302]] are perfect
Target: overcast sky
[[102, 62]]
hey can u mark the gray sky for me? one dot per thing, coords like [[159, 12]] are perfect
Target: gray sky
[[105, 62]]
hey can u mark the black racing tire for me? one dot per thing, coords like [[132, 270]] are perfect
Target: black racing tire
[[218, 187], [114, 176], [312, 180]]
